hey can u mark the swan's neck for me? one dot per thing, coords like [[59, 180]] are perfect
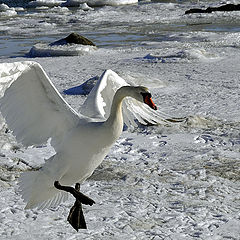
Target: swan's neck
[[115, 119]]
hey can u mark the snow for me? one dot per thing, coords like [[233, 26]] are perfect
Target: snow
[[6, 11], [47, 3], [77, 3], [45, 50], [84, 4], [83, 89], [177, 182], [3, 7], [110, 2]]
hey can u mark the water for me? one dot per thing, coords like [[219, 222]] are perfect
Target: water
[[110, 27]]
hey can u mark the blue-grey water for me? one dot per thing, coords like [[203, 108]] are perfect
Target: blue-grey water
[[113, 26]]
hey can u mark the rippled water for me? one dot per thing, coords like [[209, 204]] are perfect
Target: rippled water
[[108, 26]]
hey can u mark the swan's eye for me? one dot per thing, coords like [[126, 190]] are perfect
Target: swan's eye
[[146, 94], [147, 98]]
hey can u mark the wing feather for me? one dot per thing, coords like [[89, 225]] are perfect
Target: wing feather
[[32, 107], [100, 99]]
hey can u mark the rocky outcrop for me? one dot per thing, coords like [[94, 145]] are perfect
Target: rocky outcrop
[[227, 7], [73, 38]]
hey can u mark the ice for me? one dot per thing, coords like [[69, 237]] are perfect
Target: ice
[[158, 182], [48, 3], [45, 50], [73, 3], [6, 11], [77, 3], [189, 54], [85, 7], [110, 2], [3, 7], [129, 24]]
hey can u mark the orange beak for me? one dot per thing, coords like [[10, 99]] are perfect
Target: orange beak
[[148, 100]]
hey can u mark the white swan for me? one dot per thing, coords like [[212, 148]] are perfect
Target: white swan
[[35, 111]]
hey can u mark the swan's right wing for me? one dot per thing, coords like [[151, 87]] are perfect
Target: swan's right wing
[[32, 107], [98, 103]]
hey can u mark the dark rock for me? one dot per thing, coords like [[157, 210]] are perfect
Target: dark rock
[[223, 8], [73, 38], [195, 10], [227, 7]]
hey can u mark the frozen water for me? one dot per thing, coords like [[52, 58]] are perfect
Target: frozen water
[[45, 50], [6, 11], [126, 25], [97, 3], [48, 3], [158, 182], [189, 54]]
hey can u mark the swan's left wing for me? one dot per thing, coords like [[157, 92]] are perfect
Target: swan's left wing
[[33, 108], [98, 103]]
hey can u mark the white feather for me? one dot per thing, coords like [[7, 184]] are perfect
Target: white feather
[[35, 111], [33, 108], [98, 103]]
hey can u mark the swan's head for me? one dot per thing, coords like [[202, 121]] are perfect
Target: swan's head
[[142, 94]]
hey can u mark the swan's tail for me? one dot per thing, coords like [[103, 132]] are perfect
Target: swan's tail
[[37, 190]]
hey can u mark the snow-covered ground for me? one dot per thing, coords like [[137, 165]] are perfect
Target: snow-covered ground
[[178, 182]]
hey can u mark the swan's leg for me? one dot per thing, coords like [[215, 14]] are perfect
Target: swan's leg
[[76, 217], [78, 195]]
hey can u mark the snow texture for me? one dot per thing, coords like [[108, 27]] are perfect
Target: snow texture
[[176, 182]]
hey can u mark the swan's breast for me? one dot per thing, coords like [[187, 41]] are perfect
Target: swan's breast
[[84, 149], [88, 140]]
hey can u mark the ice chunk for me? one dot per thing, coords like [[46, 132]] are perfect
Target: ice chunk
[[48, 3], [110, 2], [6, 11], [45, 50]]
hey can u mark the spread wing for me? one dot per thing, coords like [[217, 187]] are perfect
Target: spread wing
[[32, 107], [98, 103], [99, 100]]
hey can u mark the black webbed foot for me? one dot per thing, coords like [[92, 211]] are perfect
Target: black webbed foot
[[76, 217], [78, 195]]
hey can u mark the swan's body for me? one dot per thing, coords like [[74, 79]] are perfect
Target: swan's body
[[35, 111]]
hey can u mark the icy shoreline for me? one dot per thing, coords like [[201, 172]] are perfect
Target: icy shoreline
[[160, 182], [134, 25]]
